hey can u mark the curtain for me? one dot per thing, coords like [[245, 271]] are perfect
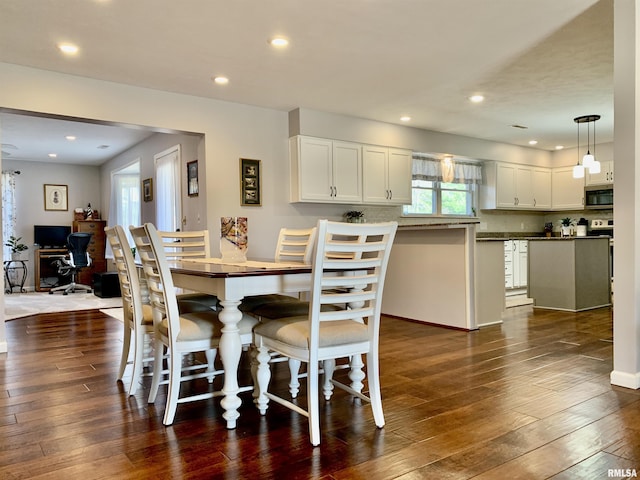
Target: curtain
[[125, 203], [8, 210], [168, 191], [426, 167]]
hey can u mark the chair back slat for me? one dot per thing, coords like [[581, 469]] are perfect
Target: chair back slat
[[130, 288], [349, 267], [295, 245], [158, 275], [185, 245]]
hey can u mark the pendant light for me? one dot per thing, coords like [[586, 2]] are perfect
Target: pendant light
[[589, 160], [448, 168]]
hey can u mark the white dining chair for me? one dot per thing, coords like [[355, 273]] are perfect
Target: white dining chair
[[179, 334], [292, 246], [349, 267], [189, 245], [138, 320]]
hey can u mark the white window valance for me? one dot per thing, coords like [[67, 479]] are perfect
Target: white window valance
[[426, 167]]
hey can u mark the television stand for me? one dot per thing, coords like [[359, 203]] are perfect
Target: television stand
[[45, 274]]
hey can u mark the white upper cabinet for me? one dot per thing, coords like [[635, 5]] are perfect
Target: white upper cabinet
[[567, 193], [605, 177], [325, 171], [511, 186], [387, 175], [541, 181]]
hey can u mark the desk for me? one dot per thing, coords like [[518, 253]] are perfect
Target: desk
[[231, 283], [12, 269]]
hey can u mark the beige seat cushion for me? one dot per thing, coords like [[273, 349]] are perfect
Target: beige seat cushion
[[295, 331], [249, 304], [196, 302], [201, 325], [293, 308]]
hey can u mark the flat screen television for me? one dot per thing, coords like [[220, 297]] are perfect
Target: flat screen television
[[51, 236]]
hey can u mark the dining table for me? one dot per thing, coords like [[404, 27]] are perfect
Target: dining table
[[231, 281]]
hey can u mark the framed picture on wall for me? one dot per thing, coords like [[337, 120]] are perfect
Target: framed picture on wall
[[192, 178], [147, 189], [56, 197], [250, 191]]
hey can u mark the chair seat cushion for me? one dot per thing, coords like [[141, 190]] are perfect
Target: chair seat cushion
[[147, 314], [249, 304], [202, 325], [293, 308], [295, 331], [196, 302]]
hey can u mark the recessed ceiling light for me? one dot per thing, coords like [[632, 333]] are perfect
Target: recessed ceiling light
[[533, 142], [68, 48], [221, 80], [405, 118], [71, 138], [559, 147], [476, 98], [53, 155], [279, 42]]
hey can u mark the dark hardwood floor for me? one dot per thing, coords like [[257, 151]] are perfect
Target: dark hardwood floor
[[529, 399]]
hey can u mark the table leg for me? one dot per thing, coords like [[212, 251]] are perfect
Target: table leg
[[230, 351]]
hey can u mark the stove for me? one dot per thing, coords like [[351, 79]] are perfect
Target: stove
[[600, 227]]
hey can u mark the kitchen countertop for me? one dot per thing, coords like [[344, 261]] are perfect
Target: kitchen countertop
[[502, 239], [424, 226]]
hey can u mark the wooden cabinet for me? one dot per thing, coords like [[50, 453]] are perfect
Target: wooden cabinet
[[387, 175], [511, 186], [96, 248], [45, 272], [325, 171], [605, 177], [567, 193]]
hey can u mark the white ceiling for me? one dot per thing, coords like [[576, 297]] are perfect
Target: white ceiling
[[538, 63]]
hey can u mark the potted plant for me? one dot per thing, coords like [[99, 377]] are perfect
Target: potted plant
[[566, 224], [354, 216], [16, 247], [548, 229]]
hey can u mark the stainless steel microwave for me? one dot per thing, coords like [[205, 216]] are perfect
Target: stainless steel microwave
[[598, 197]]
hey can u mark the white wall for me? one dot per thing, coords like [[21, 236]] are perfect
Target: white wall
[[194, 208]]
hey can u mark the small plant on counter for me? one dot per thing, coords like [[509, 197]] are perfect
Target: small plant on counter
[[354, 216], [566, 222], [548, 228]]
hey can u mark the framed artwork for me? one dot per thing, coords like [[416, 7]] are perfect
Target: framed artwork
[[192, 178], [147, 189], [56, 197], [250, 191]]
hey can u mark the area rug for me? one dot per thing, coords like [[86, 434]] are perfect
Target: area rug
[[18, 305]]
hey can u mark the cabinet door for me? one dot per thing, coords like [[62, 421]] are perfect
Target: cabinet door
[[603, 178], [541, 181], [399, 171], [524, 187], [505, 185], [522, 260], [315, 164], [347, 172], [566, 192], [375, 161]]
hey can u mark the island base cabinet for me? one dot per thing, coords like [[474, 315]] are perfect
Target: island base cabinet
[[570, 275], [430, 277]]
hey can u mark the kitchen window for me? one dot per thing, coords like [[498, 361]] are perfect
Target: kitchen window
[[431, 195]]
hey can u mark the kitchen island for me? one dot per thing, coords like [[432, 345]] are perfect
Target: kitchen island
[[431, 275], [570, 273]]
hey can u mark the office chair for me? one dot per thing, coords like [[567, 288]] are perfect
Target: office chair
[[79, 258]]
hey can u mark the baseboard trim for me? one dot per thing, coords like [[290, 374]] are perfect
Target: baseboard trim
[[626, 380]]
